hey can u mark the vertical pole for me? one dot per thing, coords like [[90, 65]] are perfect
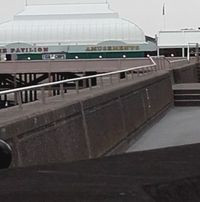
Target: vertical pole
[[188, 52], [197, 53], [158, 49], [183, 52]]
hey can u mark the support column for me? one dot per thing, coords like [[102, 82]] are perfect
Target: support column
[[158, 51], [15, 86], [183, 52], [197, 53], [35, 91], [26, 84], [31, 92], [188, 52], [49, 80]]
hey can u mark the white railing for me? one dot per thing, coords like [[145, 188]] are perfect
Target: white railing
[[170, 63], [158, 63], [179, 62]]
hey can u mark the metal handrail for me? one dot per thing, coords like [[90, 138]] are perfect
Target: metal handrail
[[140, 70], [180, 60], [74, 80], [171, 62], [174, 63]]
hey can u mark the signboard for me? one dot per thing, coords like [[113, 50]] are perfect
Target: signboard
[[112, 48], [24, 50]]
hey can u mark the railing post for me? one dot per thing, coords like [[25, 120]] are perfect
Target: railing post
[[143, 71], [126, 75], [111, 81], [19, 99], [101, 81], [161, 66], [119, 77], [151, 70], [158, 64], [43, 96], [132, 74], [163, 59], [77, 87], [138, 73], [15, 98], [148, 70], [156, 67], [62, 90], [50, 93], [90, 83]]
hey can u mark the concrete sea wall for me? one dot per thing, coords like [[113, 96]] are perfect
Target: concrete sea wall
[[85, 127], [186, 74]]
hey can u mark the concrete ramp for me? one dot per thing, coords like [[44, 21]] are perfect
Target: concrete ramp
[[180, 126]]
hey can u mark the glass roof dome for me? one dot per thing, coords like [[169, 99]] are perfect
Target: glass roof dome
[[79, 23]]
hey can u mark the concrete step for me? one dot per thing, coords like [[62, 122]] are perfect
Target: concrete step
[[187, 97], [187, 91], [188, 103]]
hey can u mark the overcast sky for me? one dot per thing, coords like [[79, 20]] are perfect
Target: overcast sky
[[147, 14]]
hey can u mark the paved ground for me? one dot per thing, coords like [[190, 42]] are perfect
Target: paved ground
[[180, 126], [166, 175], [70, 65]]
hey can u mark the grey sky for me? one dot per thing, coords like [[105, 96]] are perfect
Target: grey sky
[[147, 14]]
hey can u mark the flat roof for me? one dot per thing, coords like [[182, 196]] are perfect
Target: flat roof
[[178, 38]]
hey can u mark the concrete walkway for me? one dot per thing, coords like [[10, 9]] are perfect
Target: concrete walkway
[[180, 126]]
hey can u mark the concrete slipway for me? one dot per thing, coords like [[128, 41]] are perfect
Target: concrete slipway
[[180, 126]]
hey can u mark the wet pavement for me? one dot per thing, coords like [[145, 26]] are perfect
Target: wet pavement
[[180, 126]]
